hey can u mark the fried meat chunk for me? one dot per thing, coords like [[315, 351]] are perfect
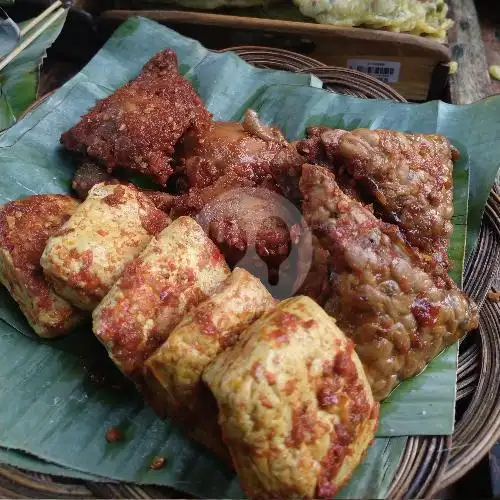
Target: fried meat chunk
[[140, 124], [25, 227], [230, 155], [296, 409], [398, 315]]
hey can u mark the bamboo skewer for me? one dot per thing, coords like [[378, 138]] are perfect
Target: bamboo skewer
[[41, 17], [33, 36]]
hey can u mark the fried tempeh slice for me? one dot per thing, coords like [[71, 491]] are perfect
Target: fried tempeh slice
[[139, 125], [25, 227], [408, 177], [174, 370], [178, 269], [398, 315], [111, 227], [296, 410]]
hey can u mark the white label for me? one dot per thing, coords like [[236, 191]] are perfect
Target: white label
[[386, 71]]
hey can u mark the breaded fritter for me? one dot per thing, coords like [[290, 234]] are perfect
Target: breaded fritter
[[138, 126], [296, 410], [25, 227], [398, 315]]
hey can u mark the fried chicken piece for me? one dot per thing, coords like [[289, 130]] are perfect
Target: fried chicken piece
[[261, 232], [398, 315], [408, 177], [230, 155], [139, 125]]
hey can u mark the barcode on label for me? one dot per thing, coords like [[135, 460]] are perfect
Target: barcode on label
[[386, 71]]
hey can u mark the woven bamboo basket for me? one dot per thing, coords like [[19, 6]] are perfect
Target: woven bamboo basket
[[429, 463]]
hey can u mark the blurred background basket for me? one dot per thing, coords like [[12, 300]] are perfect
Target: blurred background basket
[[429, 463]]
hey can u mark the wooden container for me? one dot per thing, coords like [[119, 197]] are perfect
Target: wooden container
[[414, 66]]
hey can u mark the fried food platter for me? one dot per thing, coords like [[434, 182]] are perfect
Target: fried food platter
[[417, 463]]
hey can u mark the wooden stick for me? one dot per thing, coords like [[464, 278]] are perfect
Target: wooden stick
[[31, 38], [41, 17]]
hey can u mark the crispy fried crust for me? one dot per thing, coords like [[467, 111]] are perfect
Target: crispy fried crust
[[25, 227], [409, 178], [296, 410], [139, 125], [88, 254], [398, 315], [177, 270]]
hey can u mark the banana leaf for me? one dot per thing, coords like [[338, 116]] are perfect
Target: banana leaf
[[51, 408], [19, 79]]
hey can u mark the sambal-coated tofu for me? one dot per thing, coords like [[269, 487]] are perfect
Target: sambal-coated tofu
[[25, 227], [175, 369], [296, 409], [111, 227], [178, 269]]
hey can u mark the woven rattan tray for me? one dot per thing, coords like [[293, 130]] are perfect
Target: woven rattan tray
[[430, 462]]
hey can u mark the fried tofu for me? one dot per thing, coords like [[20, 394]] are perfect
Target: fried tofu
[[296, 409], [174, 370], [111, 227], [179, 269], [25, 227]]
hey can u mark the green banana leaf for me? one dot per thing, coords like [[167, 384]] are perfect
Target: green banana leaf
[[49, 401], [19, 79]]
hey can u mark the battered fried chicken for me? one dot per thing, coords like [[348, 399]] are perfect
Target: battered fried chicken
[[398, 315], [408, 178], [139, 125]]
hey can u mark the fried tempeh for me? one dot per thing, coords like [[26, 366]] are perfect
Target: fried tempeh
[[296, 410], [408, 178], [111, 227], [138, 126], [398, 315], [178, 269], [25, 227]]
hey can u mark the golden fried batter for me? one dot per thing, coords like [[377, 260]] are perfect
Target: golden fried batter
[[139, 125]]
